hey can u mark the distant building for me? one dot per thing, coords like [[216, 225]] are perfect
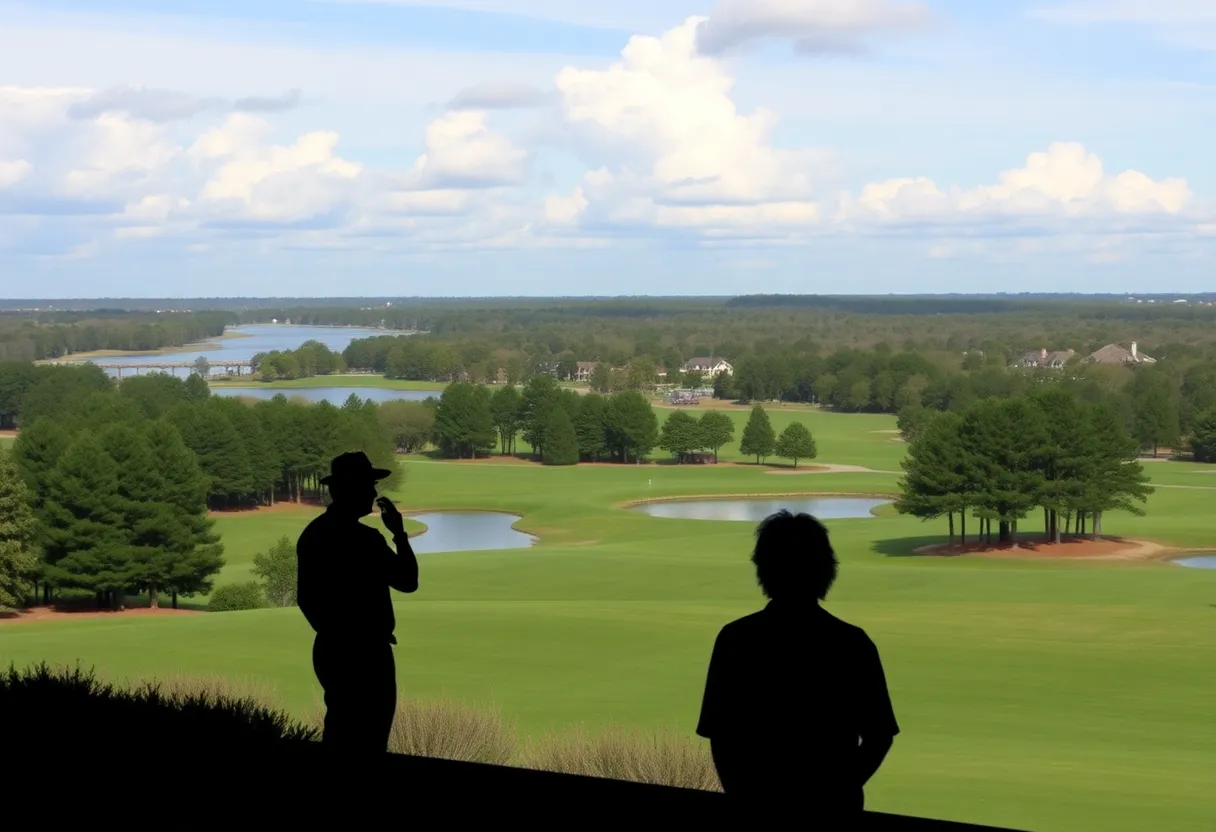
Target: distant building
[[583, 370], [1115, 354], [708, 366], [1047, 359], [660, 372]]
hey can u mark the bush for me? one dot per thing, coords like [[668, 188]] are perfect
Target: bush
[[233, 597], [658, 757], [59, 706]]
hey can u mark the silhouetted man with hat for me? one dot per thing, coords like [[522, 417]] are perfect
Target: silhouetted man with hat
[[345, 572], [796, 707]]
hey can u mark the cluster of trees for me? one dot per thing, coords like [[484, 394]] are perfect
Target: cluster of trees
[[1000, 459], [562, 427], [39, 335], [312, 358]]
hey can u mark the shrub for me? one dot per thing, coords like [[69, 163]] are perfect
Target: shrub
[[658, 757], [47, 706], [233, 597]]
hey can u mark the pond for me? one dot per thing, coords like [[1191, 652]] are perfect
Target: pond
[[334, 395], [755, 509], [1198, 562], [468, 531]]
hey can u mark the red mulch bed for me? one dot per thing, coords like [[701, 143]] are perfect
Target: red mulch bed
[[75, 613], [1040, 547]]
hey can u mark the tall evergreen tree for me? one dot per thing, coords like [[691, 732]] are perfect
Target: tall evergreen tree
[[196, 551], [796, 443], [759, 440], [505, 408], [539, 396], [84, 514], [18, 536], [561, 443], [464, 424], [1003, 441], [1116, 479], [935, 483], [1203, 437], [631, 428]]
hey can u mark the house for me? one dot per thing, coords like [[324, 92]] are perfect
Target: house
[[708, 366], [1115, 354], [660, 373], [1049, 359], [583, 370]]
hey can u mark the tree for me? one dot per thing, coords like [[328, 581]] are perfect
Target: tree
[[561, 442], [911, 419], [1203, 437], [464, 424], [18, 536], [1003, 442], [758, 437], [601, 378], [1116, 479], [410, 424], [540, 394], [197, 388], [1156, 412], [506, 409], [642, 373], [631, 428], [207, 429], [717, 430], [796, 443], [589, 427], [154, 393], [84, 512], [278, 570], [197, 554], [681, 435], [202, 367]]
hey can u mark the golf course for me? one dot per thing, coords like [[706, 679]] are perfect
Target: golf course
[[1037, 692]]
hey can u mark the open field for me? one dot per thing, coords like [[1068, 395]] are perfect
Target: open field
[[1043, 695]]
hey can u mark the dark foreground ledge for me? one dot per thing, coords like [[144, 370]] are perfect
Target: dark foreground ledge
[[299, 781]]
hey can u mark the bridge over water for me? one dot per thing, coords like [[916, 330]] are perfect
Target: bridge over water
[[229, 367]]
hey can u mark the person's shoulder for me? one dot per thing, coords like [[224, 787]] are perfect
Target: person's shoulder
[[744, 627], [845, 631]]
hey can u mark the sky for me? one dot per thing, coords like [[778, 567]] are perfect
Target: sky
[[209, 148]]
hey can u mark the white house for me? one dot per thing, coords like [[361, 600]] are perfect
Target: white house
[[708, 366]]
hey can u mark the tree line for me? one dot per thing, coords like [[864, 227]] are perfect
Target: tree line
[[41, 335], [312, 358], [999, 460]]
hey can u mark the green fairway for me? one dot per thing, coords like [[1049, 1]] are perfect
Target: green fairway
[[1038, 695]]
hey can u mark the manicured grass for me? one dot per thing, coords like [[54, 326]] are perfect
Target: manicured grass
[[1036, 695], [338, 380]]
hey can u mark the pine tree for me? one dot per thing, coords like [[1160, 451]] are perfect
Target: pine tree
[[505, 407], [1116, 478], [631, 428], [561, 443], [279, 572], [796, 443], [18, 535], [197, 388], [196, 553], [1203, 437], [717, 430], [86, 548], [758, 437], [464, 424]]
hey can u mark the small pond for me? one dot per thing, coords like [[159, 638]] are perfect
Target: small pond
[[1198, 562], [468, 531], [334, 395], [755, 509]]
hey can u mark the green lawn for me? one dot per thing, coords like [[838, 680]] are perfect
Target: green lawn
[[1042, 696]]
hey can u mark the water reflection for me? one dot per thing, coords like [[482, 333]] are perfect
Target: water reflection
[[1198, 562], [468, 531], [756, 509]]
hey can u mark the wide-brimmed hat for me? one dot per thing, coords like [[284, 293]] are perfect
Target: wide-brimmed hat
[[353, 467]]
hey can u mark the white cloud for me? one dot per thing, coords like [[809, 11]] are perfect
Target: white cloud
[[13, 172], [1064, 181], [500, 96], [813, 25], [463, 152], [141, 103]]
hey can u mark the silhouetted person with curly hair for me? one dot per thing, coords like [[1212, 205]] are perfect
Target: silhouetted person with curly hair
[[796, 707], [345, 572]]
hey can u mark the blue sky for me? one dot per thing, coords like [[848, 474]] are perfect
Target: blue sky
[[539, 147]]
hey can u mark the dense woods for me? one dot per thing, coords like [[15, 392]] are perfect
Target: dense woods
[[36, 336]]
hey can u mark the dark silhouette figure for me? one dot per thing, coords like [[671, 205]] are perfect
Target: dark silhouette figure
[[796, 707], [345, 571]]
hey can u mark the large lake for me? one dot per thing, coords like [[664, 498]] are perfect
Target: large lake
[[468, 531], [753, 510], [333, 395], [254, 339]]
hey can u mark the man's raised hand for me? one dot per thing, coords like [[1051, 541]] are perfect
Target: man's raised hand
[[391, 517]]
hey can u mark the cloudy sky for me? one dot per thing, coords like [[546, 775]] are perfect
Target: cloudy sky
[[605, 147]]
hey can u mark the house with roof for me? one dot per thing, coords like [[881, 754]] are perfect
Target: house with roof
[[708, 366], [1046, 359], [583, 370], [1114, 354]]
